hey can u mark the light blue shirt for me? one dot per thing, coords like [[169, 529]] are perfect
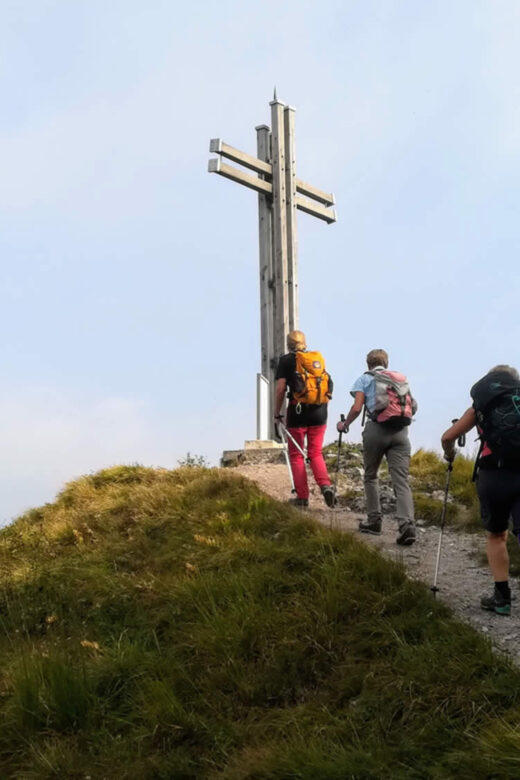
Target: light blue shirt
[[366, 384]]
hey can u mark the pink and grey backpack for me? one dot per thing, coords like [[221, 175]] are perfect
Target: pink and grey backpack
[[395, 404]]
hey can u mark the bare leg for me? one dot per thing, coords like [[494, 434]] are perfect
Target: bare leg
[[498, 556]]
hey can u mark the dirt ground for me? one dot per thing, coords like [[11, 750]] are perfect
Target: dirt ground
[[461, 579]]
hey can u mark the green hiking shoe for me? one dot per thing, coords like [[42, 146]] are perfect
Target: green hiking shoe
[[496, 603]]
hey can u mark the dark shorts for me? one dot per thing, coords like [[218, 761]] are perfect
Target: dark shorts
[[499, 494]]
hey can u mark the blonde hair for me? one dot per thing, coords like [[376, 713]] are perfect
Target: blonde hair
[[296, 341], [377, 357], [506, 370]]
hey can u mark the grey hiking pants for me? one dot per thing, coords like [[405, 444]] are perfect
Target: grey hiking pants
[[378, 441]]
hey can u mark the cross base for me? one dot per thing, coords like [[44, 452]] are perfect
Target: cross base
[[262, 444]]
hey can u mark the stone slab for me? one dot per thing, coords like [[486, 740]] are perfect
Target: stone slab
[[262, 444], [231, 458]]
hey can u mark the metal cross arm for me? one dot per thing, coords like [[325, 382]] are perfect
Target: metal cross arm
[[317, 207]]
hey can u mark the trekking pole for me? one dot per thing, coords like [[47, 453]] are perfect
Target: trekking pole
[[461, 441], [337, 460], [286, 455], [291, 437], [434, 589]]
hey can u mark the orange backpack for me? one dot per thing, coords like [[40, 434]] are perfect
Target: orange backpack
[[312, 384]]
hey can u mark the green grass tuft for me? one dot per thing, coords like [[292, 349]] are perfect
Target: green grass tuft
[[430, 509]]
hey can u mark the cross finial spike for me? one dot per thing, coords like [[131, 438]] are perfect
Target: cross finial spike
[[274, 96]]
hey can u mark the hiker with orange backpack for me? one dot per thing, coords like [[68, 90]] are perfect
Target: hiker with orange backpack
[[302, 376], [389, 405]]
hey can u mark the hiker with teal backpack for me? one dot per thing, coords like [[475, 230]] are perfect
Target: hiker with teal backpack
[[386, 398], [496, 414], [301, 375]]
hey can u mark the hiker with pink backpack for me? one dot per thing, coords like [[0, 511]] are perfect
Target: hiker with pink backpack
[[388, 403]]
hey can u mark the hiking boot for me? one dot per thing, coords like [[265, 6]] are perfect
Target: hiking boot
[[370, 526], [328, 494], [406, 535], [301, 503], [496, 603]]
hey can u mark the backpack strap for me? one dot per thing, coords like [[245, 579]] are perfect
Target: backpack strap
[[373, 373], [475, 467]]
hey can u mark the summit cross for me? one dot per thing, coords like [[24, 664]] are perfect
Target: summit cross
[[280, 195]]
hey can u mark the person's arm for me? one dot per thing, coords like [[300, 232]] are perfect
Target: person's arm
[[354, 412], [281, 387], [463, 425]]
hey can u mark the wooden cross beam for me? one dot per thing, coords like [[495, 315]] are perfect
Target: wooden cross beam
[[280, 195], [313, 207]]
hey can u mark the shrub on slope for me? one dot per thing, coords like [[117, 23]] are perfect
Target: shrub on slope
[[160, 624]]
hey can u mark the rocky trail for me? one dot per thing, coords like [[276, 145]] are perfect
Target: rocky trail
[[462, 579]]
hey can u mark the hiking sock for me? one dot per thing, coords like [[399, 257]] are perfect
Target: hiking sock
[[504, 590]]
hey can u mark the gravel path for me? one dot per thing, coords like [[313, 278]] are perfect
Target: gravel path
[[461, 580]]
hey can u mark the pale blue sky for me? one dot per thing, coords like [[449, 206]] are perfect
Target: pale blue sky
[[129, 276]]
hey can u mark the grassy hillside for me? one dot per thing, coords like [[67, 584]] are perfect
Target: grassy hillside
[[180, 624]]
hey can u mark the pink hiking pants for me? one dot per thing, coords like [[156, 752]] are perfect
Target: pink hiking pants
[[315, 434]]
